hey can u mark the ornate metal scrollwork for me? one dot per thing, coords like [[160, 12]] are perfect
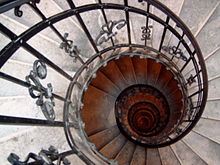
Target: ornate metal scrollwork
[[19, 12], [146, 32], [109, 30], [44, 157], [70, 48], [172, 50], [40, 72], [191, 80]]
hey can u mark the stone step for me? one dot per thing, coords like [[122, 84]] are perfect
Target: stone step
[[126, 153], [168, 156], [203, 127], [109, 86], [114, 73], [153, 157], [199, 10], [28, 141], [97, 110], [102, 138], [29, 19], [213, 88], [113, 148], [186, 155], [212, 64], [139, 156], [126, 67], [212, 110], [210, 30], [207, 149], [24, 106], [51, 50], [20, 70]]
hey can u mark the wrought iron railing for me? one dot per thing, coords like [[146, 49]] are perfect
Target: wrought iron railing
[[183, 58]]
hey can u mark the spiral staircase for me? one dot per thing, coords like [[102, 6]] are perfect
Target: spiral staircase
[[109, 82]]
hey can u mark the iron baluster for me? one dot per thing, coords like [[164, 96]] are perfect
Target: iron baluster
[[109, 30], [40, 72], [147, 26], [164, 33], [146, 33], [44, 157], [127, 21], [25, 84], [85, 29], [174, 51], [19, 12], [71, 49], [177, 47], [106, 20], [191, 80]]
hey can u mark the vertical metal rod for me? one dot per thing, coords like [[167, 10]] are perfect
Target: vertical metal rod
[[147, 22], [195, 93], [178, 45], [79, 18], [106, 21], [187, 62], [127, 20], [164, 33]]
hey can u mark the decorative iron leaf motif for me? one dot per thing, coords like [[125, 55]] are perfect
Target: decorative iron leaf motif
[[191, 80], [44, 157], [174, 51], [40, 72], [70, 48], [109, 30], [146, 32]]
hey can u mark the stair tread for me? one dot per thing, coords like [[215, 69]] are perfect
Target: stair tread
[[29, 142], [154, 70], [125, 155], [114, 73], [112, 148], [203, 127], [139, 156], [140, 69], [153, 157], [187, 156], [105, 84], [212, 64], [103, 105], [211, 29], [213, 89], [167, 156], [102, 138], [125, 65], [207, 149], [21, 72], [200, 10], [212, 110]]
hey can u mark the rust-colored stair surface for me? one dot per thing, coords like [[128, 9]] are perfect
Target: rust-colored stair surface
[[136, 96]]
